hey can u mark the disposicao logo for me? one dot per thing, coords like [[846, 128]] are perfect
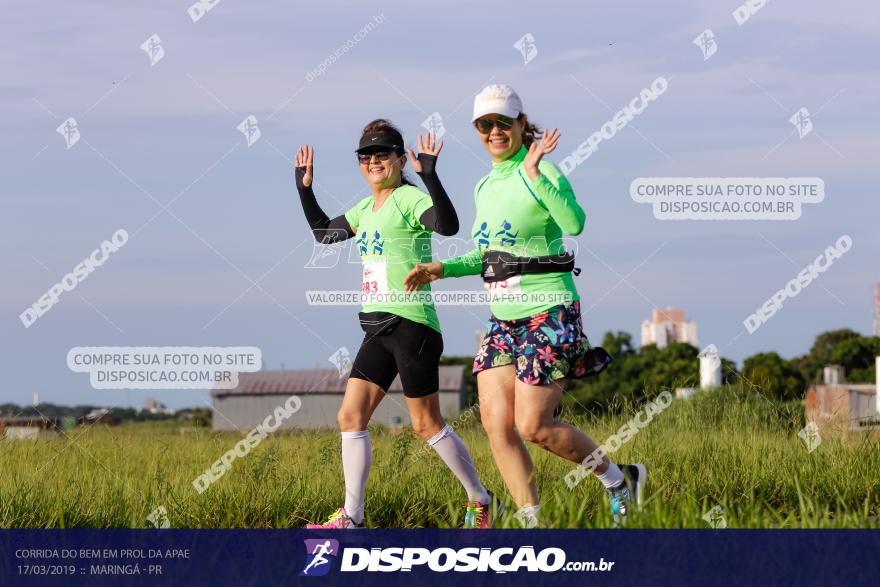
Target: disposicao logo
[[319, 551]]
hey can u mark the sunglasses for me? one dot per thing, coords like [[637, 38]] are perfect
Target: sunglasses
[[364, 158], [485, 125]]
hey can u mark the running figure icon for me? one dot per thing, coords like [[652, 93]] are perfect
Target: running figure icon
[[377, 243], [319, 553], [507, 237], [483, 233]]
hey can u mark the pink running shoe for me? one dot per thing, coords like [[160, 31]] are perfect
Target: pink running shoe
[[479, 515], [337, 521]]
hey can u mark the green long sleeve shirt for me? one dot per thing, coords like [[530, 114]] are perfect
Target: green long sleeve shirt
[[526, 218]]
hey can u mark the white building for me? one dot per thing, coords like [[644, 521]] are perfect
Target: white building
[[877, 309], [153, 406], [666, 326]]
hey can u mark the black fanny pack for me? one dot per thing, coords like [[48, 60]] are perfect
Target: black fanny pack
[[597, 359], [378, 323], [501, 265]]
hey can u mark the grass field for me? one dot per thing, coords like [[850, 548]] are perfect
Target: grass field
[[729, 448]]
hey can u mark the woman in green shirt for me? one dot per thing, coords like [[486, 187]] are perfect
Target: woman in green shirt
[[534, 339], [393, 229]]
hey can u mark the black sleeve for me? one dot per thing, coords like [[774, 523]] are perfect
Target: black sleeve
[[325, 230], [441, 218]]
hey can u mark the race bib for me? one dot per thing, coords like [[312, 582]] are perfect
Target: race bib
[[511, 286], [375, 282]]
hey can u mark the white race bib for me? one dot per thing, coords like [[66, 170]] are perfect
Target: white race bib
[[375, 282], [509, 287]]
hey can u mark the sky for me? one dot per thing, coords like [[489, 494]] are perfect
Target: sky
[[218, 246]]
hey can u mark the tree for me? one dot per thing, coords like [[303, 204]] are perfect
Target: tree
[[675, 365], [825, 343], [201, 416], [636, 375], [857, 355], [618, 344], [774, 376], [820, 355]]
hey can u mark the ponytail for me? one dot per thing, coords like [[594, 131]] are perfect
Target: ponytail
[[530, 130]]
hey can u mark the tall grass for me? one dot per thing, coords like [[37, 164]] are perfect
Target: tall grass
[[729, 448]]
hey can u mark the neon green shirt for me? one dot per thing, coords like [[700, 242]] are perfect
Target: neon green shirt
[[391, 240], [526, 218]]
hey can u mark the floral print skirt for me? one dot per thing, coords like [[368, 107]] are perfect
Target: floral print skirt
[[547, 346]]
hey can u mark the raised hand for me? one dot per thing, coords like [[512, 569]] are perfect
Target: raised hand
[[304, 158], [538, 149], [427, 145], [422, 274]]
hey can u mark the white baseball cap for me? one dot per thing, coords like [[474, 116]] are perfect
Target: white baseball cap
[[497, 99]]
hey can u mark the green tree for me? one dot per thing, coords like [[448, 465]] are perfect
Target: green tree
[[634, 376], [820, 355], [857, 355], [201, 416], [774, 376], [618, 344], [675, 365]]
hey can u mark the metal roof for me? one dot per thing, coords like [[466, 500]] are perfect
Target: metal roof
[[305, 381], [867, 388], [39, 421]]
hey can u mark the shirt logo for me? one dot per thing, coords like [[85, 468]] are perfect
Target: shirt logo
[[507, 237], [482, 236], [374, 245]]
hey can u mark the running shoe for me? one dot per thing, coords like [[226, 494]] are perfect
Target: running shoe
[[479, 515], [339, 521], [629, 491]]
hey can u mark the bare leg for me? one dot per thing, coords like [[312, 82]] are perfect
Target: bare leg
[[534, 420], [358, 404], [425, 415], [496, 389]]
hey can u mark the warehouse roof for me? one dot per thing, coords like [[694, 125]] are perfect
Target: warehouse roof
[[320, 381], [37, 421]]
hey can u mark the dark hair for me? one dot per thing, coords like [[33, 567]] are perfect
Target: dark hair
[[384, 125], [530, 130]]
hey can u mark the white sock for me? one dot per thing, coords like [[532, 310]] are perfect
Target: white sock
[[528, 515], [456, 456], [357, 456], [612, 477]]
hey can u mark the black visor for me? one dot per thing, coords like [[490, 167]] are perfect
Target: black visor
[[382, 140]]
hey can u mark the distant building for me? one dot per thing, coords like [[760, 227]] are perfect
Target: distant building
[[152, 406], [877, 309], [666, 326], [96, 414], [842, 407], [99, 415], [321, 390], [28, 427], [838, 407]]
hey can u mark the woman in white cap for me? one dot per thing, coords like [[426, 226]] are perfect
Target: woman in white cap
[[534, 338]]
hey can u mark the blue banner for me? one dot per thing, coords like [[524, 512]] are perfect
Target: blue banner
[[441, 557]]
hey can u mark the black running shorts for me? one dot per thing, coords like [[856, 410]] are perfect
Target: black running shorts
[[411, 349]]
